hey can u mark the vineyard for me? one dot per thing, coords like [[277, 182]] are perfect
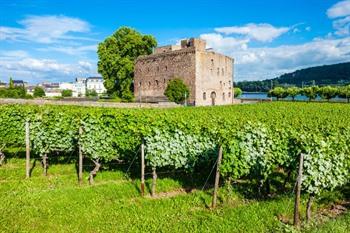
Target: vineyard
[[259, 143]]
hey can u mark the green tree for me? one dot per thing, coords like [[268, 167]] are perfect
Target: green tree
[[117, 55], [293, 92], [11, 84], [237, 92], [310, 92], [344, 92], [278, 92], [177, 91], [328, 92], [91, 93], [38, 92], [67, 93]]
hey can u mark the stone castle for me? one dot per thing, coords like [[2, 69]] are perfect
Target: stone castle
[[209, 75]]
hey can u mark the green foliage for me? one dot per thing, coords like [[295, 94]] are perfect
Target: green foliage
[[344, 92], [38, 92], [257, 140], [117, 55], [91, 93], [67, 93], [328, 92], [237, 92], [278, 92], [14, 92], [311, 92], [11, 84], [293, 92], [177, 91], [178, 149]]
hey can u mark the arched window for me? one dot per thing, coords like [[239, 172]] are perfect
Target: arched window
[[204, 96], [212, 62], [157, 83], [223, 96], [140, 84]]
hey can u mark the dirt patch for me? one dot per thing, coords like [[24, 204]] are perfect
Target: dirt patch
[[171, 193]]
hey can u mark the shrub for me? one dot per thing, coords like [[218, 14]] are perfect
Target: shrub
[[177, 91], [67, 93], [237, 92], [38, 92]]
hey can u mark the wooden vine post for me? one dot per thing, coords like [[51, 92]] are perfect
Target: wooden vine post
[[44, 159], [298, 191], [80, 171], [142, 169], [27, 139], [154, 182], [217, 178]]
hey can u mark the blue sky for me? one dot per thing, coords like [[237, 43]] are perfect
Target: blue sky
[[56, 40]]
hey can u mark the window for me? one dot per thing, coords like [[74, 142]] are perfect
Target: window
[[148, 69], [223, 96], [157, 83], [229, 95], [149, 83], [166, 68], [204, 96], [218, 71], [212, 62], [222, 71], [229, 84], [164, 80], [221, 83], [140, 84]]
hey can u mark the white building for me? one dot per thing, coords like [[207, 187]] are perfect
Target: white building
[[66, 86], [82, 85]]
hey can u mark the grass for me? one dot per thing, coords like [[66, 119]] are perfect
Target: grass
[[58, 204]]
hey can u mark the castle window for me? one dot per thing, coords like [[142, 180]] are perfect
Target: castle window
[[212, 62], [218, 71], [223, 96], [157, 83], [204, 96], [221, 83], [164, 80], [166, 68], [140, 84], [222, 71], [224, 84], [229, 95], [149, 83]]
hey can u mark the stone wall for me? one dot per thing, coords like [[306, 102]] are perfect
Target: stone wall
[[153, 72], [214, 81], [208, 75]]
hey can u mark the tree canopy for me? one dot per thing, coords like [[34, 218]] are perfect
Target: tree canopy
[[177, 91], [117, 55], [38, 92]]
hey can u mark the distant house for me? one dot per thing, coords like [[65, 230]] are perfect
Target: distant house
[[82, 85], [96, 84], [2, 85]]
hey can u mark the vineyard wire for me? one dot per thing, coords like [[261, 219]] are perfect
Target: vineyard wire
[[127, 171], [210, 174]]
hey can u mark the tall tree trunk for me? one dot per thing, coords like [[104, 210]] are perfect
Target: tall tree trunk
[[308, 207], [94, 171]]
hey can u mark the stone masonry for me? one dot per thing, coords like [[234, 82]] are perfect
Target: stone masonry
[[209, 75]]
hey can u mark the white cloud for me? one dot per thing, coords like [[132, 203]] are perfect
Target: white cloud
[[269, 62], [45, 29], [260, 32], [340, 12], [70, 50], [339, 9], [37, 70]]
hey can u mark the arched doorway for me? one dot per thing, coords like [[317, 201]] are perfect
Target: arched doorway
[[213, 96]]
